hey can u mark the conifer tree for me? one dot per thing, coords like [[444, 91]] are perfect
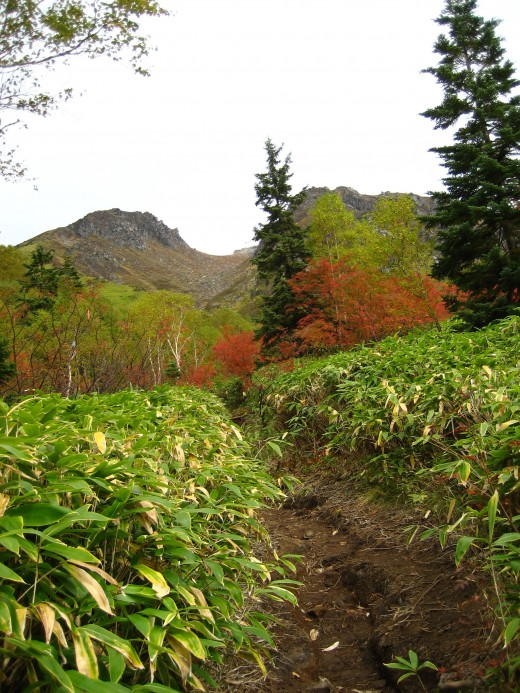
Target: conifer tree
[[478, 213], [282, 251], [41, 282]]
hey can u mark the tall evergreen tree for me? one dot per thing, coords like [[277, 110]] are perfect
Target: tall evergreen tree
[[282, 251], [478, 214]]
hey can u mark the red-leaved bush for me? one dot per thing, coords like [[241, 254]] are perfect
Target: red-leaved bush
[[346, 305], [237, 354]]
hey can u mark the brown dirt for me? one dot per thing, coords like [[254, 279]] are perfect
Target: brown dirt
[[367, 597]]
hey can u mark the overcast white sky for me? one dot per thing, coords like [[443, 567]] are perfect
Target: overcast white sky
[[336, 81]]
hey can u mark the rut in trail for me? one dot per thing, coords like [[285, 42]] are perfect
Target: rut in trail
[[367, 597]]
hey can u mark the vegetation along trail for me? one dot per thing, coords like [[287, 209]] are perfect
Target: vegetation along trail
[[406, 520], [360, 531], [366, 597]]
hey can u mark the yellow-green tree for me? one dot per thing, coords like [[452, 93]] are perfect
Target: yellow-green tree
[[11, 265], [394, 240], [333, 230], [170, 330], [395, 243]]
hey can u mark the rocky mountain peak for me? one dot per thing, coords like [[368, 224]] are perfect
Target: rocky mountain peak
[[128, 229]]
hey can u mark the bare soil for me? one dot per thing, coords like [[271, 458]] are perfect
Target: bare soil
[[367, 596]]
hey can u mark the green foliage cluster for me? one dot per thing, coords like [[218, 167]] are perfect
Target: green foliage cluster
[[41, 281], [65, 333], [126, 528], [390, 239], [444, 407], [36, 35]]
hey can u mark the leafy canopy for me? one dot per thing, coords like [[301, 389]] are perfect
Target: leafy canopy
[[35, 35], [333, 229]]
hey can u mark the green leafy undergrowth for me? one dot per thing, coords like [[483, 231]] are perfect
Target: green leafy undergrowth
[[126, 529], [441, 407]]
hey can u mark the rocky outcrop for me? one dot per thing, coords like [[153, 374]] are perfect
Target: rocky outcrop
[[127, 229], [356, 202], [137, 249]]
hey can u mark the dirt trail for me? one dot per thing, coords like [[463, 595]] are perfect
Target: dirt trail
[[367, 597]]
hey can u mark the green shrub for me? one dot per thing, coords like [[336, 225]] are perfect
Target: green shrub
[[125, 542]]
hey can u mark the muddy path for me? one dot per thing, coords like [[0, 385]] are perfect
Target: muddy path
[[367, 597]]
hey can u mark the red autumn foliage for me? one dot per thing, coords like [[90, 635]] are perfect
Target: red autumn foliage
[[202, 375], [345, 305], [237, 353]]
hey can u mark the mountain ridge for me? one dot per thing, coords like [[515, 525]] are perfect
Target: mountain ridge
[[138, 249]]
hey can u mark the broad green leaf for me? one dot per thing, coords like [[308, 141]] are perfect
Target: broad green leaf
[[507, 538], [116, 664], [38, 514], [463, 545], [414, 659], [112, 640], [189, 640], [49, 664], [216, 570], [85, 684], [511, 630], [260, 632], [13, 525], [280, 593], [274, 446], [12, 544], [8, 574], [142, 624], [429, 665], [74, 553], [183, 518], [159, 584], [17, 452]]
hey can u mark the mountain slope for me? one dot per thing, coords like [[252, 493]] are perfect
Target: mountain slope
[[137, 249]]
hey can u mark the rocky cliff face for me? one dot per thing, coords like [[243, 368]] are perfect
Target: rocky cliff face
[[127, 229]]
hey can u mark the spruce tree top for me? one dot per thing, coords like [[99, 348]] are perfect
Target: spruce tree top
[[282, 249]]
